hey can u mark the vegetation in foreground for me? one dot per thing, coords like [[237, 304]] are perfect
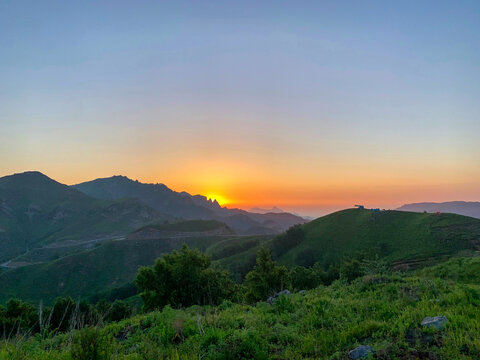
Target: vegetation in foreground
[[382, 310]]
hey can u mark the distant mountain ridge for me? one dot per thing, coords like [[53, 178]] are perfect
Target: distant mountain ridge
[[36, 210], [466, 208], [265, 211], [182, 205]]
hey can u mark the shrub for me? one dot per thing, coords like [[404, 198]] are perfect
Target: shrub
[[183, 278], [90, 344], [351, 270], [306, 278]]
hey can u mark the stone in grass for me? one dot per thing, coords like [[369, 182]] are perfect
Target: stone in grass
[[360, 352], [437, 322], [274, 298]]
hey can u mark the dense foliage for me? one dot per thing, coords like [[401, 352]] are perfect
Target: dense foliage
[[18, 317], [384, 312], [266, 277], [183, 278], [201, 313]]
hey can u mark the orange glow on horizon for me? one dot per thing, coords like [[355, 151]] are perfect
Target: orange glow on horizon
[[222, 200]]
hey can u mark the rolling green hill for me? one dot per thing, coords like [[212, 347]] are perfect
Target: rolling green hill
[[403, 239], [396, 236], [110, 265], [36, 210], [181, 228]]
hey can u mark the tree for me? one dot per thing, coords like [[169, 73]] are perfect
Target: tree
[[304, 278], [266, 277], [183, 278], [350, 270]]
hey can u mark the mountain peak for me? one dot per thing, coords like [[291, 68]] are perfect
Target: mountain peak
[[28, 178]]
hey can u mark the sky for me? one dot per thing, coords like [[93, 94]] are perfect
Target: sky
[[310, 106]]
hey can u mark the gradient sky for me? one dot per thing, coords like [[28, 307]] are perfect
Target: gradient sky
[[307, 105]]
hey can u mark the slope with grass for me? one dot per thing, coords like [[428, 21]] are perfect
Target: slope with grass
[[460, 270], [183, 228], [383, 312], [111, 265], [396, 236]]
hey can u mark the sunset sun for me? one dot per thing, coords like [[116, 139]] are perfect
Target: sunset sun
[[222, 200]]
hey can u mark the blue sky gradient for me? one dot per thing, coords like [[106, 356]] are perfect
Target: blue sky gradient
[[349, 100]]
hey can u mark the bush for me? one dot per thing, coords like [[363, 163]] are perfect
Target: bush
[[183, 278], [90, 344], [18, 316], [350, 270], [306, 278]]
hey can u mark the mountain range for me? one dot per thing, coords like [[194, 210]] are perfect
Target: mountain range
[[37, 211], [467, 208], [182, 205]]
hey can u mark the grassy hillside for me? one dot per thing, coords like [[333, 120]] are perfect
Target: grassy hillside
[[461, 270], [179, 228], [393, 235], [382, 312], [108, 266], [36, 210], [398, 237]]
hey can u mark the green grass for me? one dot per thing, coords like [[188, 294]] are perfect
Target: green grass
[[462, 270], [384, 312], [393, 235], [399, 237], [186, 226], [109, 266]]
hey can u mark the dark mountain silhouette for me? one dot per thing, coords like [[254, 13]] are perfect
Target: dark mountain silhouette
[[467, 208], [36, 210], [182, 205], [158, 196]]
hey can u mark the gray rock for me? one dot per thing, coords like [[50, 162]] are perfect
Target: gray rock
[[438, 322], [302, 292], [273, 298], [360, 352]]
